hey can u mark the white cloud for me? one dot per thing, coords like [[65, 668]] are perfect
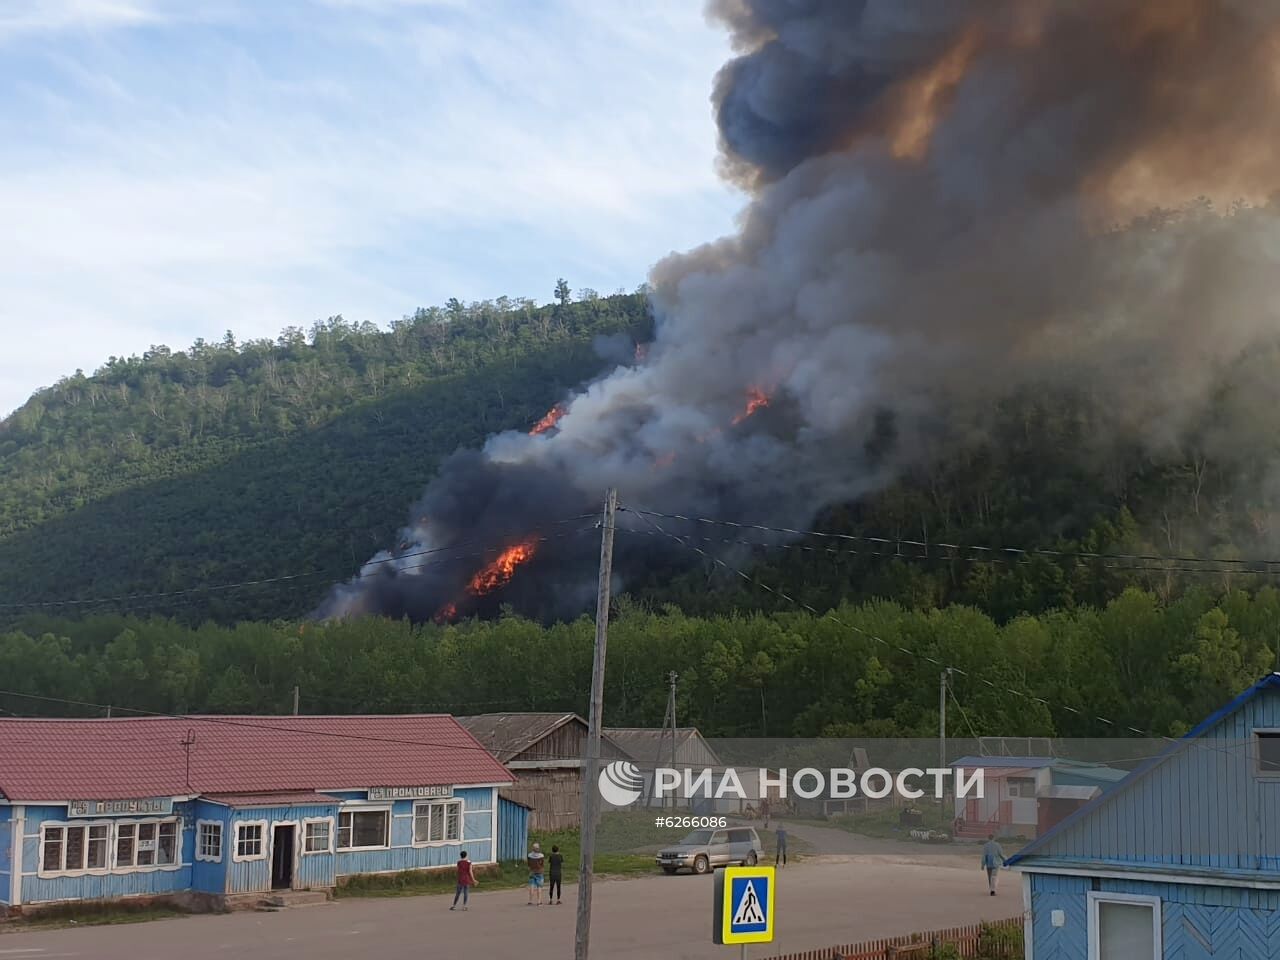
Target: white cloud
[[184, 180]]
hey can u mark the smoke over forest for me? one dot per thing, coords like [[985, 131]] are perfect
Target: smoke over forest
[[948, 203]]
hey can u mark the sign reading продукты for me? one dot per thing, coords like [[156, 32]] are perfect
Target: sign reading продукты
[[410, 793], [745, 903], [119, 808]]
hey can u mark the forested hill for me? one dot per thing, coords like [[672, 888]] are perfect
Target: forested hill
[[177, 472], [236, 461]]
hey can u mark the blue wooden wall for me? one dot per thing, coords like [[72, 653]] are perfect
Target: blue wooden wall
[[1202, 807], [477, 839], [145, 882], [6, 852], [313, 870], [513, 830], [1198, 922]]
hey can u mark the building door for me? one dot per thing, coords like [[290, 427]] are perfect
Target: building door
[[282, 857]]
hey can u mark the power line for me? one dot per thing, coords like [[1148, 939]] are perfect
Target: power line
[[361, 575], [881, 555], [943, 545]]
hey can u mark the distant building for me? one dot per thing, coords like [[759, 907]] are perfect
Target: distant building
[[544, 753], [209, 810], [1026, 796], [1181, 860], [653, 747]]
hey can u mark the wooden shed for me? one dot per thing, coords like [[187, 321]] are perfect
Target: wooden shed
[[544, 753]]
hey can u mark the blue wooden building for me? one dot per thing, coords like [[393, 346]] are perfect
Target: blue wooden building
[[209, 809], [1181, 861]]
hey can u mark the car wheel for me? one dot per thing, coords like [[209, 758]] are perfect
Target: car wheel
[[701, 865], [669, 870], [751, 860]]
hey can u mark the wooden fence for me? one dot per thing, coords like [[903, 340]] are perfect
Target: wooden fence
[[968, 942]]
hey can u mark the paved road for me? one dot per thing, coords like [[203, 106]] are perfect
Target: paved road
[[821, 903]]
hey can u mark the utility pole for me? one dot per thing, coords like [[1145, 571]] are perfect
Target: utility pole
[[671, 716], [591, 770], [942, 736], [295, 699]]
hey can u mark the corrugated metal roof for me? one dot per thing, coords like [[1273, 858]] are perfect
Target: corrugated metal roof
[[1024, 763], [509, 734], [133, 757], [649, 744]]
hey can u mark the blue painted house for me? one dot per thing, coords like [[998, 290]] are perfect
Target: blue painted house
[[1180, 861], [208, 809]]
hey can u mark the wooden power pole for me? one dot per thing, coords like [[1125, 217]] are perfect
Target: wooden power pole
[[591, 769]]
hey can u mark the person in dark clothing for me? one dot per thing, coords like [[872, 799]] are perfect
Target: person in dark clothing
[[781, 857], [555, 865]]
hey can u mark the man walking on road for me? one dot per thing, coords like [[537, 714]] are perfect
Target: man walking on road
[[781, 857], [992, 861], [556, 864], [536, 862]]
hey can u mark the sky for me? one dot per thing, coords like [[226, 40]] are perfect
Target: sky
[[173, 169]]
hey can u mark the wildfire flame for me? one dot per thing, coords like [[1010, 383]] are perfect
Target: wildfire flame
[[756, 398], [502, 569], [549, 420]]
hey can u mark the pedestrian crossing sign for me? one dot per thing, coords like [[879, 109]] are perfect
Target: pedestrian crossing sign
[[744, 905]]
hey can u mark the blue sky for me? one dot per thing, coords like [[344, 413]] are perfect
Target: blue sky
[[175, 168]]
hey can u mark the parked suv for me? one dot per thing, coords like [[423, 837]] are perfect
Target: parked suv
[[704, 850]]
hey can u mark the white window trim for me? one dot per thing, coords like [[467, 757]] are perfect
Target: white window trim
[[178, 828], [222, 840], [363, 807], [1157, 916], [333, 835], [1258, 772], [462, 823], [265, 846], [83, 871]]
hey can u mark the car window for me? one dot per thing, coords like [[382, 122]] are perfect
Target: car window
[[739, 836], [697, 838], [720, 837]]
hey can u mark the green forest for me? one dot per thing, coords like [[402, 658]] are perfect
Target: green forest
[[863, 671]]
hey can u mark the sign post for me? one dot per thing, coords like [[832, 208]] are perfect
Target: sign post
[[744, 906]]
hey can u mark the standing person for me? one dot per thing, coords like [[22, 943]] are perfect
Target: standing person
[[555, 863], [536, 862], [781, 834], [466, 880], [992, 861], [764, 811]]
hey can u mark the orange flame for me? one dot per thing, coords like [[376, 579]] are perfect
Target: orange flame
[[756, 398], [549, 420], [502, 569], [446, 613]]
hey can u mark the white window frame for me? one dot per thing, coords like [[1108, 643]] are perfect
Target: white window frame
[[222, 839], [264, 850], [1097, 897], [1021, 782], [1256, 750], [446, 840], [138, 822], [355, 808], [86, 870], [307, 823]]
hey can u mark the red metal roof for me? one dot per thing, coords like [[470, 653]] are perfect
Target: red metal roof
[[135, 757]]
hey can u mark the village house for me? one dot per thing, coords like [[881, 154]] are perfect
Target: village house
[[211, 810], [544, 753], [1181, 859], [1027, 796]]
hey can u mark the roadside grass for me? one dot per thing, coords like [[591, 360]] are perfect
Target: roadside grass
[[90, 914]]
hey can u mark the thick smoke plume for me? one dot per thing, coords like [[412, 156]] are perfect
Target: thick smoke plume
[[935, 191]]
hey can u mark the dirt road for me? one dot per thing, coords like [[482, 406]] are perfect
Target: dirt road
[[822, 902]]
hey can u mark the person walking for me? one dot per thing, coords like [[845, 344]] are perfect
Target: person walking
[[992, 861], [781, 835], [555, 865], [537, 861], [466, 880]]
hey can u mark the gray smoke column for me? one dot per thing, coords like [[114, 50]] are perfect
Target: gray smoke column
[[935, 191]]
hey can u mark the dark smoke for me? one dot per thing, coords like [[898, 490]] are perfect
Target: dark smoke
[[935, 189]]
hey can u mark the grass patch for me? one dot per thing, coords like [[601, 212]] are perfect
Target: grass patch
[[510, 874], [95, 914], [886, 824]]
